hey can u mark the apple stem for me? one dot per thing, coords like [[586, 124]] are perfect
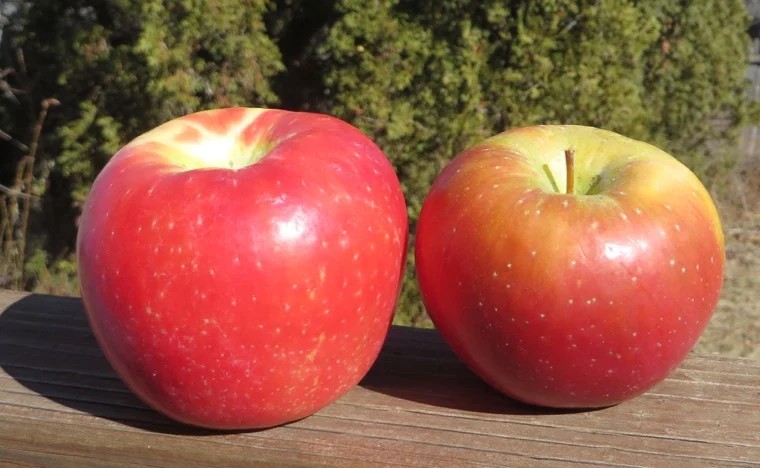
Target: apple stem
[[570, 164]]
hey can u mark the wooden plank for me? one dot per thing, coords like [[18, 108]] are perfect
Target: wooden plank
[[61, 404]]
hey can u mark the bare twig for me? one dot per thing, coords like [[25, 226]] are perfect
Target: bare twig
[[26, 169], [15, 193], [21, 62], [16, 200], [14, 141]]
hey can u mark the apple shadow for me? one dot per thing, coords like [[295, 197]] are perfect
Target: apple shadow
[[46, 346], [417, 365]]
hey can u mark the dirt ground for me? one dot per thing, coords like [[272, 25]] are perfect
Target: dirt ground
[[735, 326]]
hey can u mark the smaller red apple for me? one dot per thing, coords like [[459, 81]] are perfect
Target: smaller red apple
[[569, 266]]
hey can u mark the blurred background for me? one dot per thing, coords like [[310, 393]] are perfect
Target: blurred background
[[424, 78]]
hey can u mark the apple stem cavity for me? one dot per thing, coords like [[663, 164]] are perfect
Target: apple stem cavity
[[570, 165]]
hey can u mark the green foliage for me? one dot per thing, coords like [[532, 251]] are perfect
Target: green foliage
[[120, 68], [60, 278], [575, 62], [695, 82], [76, 140], [424, 78], [203, 54]]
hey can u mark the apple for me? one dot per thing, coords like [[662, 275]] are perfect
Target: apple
[[240, 267], [569, 266]]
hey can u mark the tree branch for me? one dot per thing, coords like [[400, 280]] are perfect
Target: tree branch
[[14, 142], [15, 193]]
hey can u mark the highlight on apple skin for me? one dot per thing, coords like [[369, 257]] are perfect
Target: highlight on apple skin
[[240, 267], [579, 299]]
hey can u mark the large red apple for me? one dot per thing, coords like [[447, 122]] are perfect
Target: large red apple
[[240, 266], [580, 299]]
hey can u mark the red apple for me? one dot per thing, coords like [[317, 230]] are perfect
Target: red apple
[[580, 299], [240, 266]]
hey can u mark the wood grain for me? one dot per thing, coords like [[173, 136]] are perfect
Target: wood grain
[[62, 405]]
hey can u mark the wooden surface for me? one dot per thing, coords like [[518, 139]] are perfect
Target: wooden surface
[[61, 405]]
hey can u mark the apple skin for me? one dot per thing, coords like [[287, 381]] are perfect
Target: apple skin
[[575, 301], [240, 267]]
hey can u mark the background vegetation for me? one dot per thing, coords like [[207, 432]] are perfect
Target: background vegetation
[[424, 78]]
